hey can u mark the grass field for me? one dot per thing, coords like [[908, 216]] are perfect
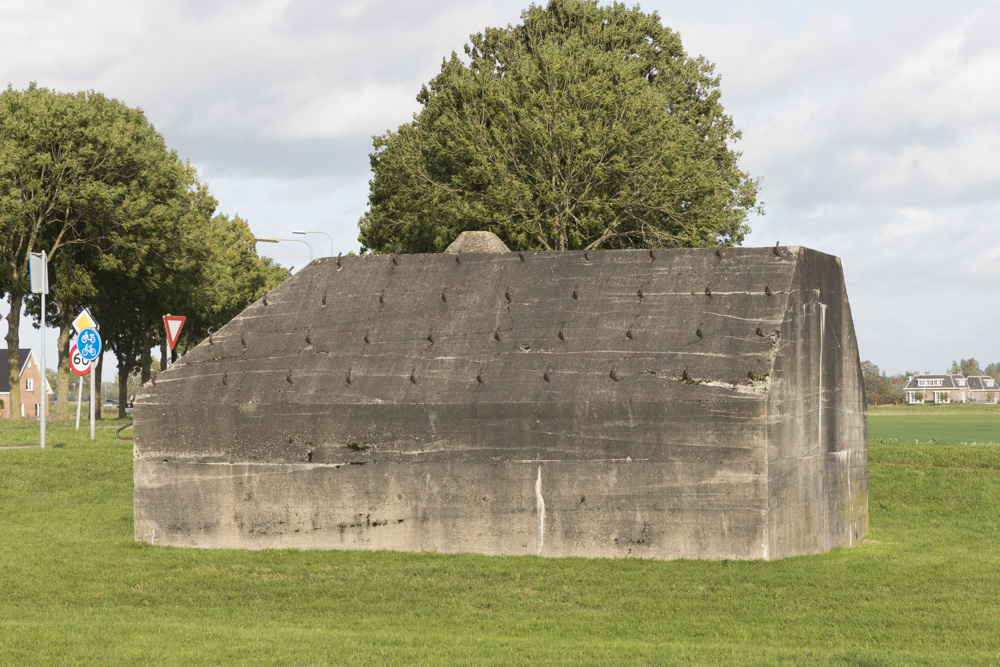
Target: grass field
[[924, 589], [945, 424]]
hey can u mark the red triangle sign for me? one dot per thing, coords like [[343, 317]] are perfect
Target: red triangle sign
[[174, 324]]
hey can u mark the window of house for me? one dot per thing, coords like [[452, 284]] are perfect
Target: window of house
[[989, 382], [930, 382], [29, 384]]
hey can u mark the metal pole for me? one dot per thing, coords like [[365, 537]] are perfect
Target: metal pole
[[79, 402], [92, 393], [311, 231], [41, 355], [264, 239]]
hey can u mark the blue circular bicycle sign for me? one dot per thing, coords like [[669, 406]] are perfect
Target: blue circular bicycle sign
[[89, 344]]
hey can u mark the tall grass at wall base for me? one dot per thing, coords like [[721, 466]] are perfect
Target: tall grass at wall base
[[75, 587]]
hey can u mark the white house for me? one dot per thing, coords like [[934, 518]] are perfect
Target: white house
[[951, 388]]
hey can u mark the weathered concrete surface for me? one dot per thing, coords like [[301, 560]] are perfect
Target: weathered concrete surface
[[477, 242], [611, 403]]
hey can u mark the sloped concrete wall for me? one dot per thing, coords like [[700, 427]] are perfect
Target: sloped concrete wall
[[656, 404], [817, 432]]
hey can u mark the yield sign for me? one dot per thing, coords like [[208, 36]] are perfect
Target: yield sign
[[174, 323]]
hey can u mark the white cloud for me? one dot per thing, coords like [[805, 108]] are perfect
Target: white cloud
[[366, 111]]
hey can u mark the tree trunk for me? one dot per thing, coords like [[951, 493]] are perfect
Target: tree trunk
[[73, 392], [13, 358], [62, 371], [146, 360], [123, 374]]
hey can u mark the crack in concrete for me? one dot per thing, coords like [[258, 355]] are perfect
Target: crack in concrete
[[540, 504]]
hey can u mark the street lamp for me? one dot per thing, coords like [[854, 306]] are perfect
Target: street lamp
[[266, 239], [315, 232]]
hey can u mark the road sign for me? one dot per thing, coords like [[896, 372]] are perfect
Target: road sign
[[38, 275], [76, 362], [89, 342], [84, 321], [174, 324], [38, 272]]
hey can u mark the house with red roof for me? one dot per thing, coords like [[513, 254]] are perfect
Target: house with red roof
[[30, 378]]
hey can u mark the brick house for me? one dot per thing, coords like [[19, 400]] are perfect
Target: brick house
[[951, 388], [31, 383]]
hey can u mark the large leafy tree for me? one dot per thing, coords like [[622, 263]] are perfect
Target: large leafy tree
[[993, 370], [81, 175], [129, 230], [878, 388], [967, 367], [200, 264], [582, 127], [136, 290]]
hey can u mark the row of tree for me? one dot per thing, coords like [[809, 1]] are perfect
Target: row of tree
[[129, 231], [970, 367], [882, 388]]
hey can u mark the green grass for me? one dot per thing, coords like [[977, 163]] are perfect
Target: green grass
[[75, 588], [934, 409], [945, 429], [944, 424]]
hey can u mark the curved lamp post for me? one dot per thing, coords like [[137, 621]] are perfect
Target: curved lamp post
[[267, 239], [310, 231]]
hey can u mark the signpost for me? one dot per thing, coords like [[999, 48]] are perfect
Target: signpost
[[83, 321], [89, 343], [81, 368], [38, 270], [174, 324]]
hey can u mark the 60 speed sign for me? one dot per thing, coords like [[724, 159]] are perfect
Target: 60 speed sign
[[76, 362]]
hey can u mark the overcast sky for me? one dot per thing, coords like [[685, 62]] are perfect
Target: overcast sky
[[874, 126]]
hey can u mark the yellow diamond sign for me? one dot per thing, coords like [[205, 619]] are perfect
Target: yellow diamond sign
[[84, 321]]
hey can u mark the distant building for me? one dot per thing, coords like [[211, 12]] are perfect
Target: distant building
[[951, 388], [983, 389], [31, 382]]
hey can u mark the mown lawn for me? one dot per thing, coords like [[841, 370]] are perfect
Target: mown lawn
[[75, 588], [945, 424]]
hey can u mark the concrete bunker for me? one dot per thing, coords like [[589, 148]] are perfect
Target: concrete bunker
[[652, 403]]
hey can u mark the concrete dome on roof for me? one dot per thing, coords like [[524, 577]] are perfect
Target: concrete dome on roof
[[477, 242]]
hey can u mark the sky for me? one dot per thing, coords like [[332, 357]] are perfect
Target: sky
[[874, 126]]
